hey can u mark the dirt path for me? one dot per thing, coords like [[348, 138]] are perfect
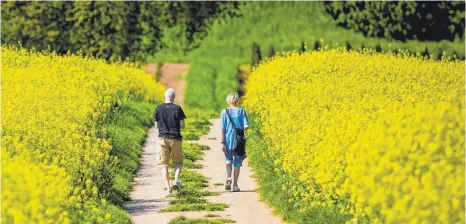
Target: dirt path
[[174, 76], [147, 197], [148, 194], [245, 206]]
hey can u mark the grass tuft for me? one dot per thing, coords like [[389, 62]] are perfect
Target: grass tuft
[[184, 220], [211, 215]]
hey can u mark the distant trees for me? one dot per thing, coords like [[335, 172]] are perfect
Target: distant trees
[[401, 20], [107, 29]]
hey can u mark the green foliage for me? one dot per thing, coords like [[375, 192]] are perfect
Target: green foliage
[[197, 123], [200, 85], [192, 27], [303, 47], [111, 30], [282, 25], [36, 25], [196, 207], [256, 54], [113, 213], [401, 20], [126, 129], [274, 186], [272, 52]]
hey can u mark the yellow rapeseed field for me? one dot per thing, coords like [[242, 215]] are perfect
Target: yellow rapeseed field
[[53, 146], [379, 136]]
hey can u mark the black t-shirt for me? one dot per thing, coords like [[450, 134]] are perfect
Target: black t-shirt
[[168, 117]]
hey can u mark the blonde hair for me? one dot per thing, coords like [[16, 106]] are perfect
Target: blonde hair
[[233, 99]]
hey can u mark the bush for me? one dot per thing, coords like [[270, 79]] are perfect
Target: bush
[[377, 136]]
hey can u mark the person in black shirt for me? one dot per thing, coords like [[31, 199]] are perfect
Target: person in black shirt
[[169, 119]]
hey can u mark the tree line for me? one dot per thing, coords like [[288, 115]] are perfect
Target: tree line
[[125, 30], [401, 20]]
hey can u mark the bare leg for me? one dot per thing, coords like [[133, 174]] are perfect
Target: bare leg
[[166, 176], [229, 168], [236, 173], [178, 167]]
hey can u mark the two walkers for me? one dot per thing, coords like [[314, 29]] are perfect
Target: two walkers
[[169, 119]]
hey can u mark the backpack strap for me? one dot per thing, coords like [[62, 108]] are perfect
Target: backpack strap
[[229, 117]]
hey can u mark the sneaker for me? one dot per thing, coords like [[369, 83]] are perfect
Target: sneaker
[[236, 188], [169, 191], [176, 186], [228, 184]]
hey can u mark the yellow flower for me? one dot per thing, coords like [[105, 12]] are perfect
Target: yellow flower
[[381, 134], [52, 110]]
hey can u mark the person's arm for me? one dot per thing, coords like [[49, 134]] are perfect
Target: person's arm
[[155, 118], [245, 120], [182, 124], [181, 117], [223, 137], [223, 126]]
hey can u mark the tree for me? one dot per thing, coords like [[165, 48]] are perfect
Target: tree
[[303, 47], [36, 25], [256, 54], [271, 52]]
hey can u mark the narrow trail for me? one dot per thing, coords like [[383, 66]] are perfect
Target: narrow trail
[[148, 198], [174, 76], [245, 206]]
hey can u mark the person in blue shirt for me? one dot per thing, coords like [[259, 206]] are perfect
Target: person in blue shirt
[[240, 119]]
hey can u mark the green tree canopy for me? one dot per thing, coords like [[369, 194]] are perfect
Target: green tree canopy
[[107, 30], [401, 20]]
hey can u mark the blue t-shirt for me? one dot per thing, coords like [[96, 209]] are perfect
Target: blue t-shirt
[[240, 119]]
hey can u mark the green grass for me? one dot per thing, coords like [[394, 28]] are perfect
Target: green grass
[[184, 220], [191, 198], [197, 123], [196, 207], [125, 128], [283, 25], [270, 186], [211, 216]]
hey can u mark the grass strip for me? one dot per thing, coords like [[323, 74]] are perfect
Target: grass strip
[[211, 216], [191, 197], [184, 220]]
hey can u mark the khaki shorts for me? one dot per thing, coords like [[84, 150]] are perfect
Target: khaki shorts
[[169, 146]]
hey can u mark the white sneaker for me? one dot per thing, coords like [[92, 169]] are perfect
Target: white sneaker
[[236, 188], [169, 191], [176, 186], [228, 184]]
